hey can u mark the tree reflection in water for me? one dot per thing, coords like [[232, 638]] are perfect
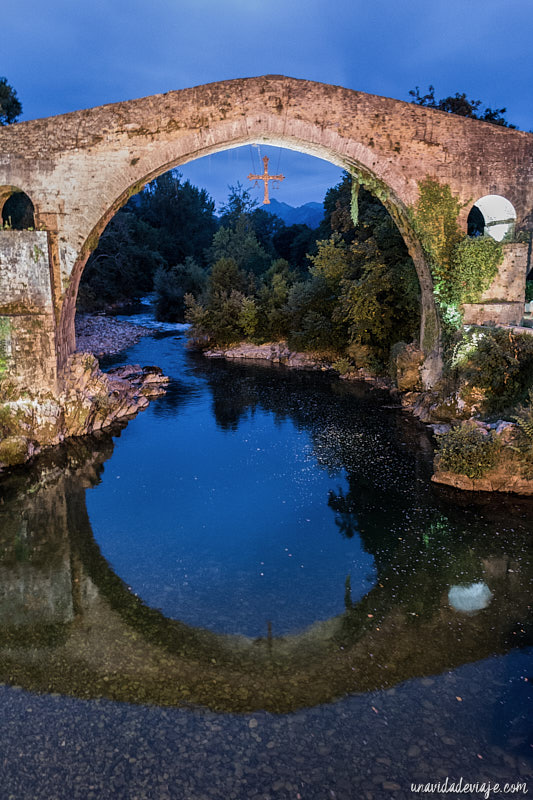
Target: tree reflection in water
[[70, 624]]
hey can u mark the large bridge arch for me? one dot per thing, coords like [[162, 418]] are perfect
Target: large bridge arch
[[305, 139], [79, 168]]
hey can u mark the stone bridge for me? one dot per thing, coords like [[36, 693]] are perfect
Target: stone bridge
[[78, 169]]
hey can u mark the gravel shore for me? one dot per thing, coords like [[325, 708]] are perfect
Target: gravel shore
[[103, 335]]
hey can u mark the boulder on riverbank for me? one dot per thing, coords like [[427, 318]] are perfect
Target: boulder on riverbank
[[498, 480], [480, 457], [275, 352], [92, 400]]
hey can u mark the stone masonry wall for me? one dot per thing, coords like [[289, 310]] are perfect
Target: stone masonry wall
[[27, 329], [503, 302]]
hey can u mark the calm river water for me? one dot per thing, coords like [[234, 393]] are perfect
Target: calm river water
[[253, 591]]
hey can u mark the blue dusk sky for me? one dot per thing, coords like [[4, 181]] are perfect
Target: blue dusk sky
[[64, 55]]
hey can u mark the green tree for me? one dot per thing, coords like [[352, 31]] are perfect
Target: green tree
[[10, 106], [332, 263], [311, 304], [225, 313], [225, 276], [460, 104], [181, 214], [122, 266], [294, 243], [273, 317], [380, 306], [337, 211], [240, 201], [171, 286], [266, 226], [167, 224], [240, 243]]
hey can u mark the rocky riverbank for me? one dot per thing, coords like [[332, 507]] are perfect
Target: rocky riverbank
[[440, 414], [91, 400], [279, 353], [274, 352], [102, 335]]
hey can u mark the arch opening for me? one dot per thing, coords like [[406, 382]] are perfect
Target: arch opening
[[430, 327], [492, 215], [17, 209]]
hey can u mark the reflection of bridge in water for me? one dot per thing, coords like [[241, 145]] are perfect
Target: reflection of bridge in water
[[70, 624]]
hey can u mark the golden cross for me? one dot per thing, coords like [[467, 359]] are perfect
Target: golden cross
[[266, 178]]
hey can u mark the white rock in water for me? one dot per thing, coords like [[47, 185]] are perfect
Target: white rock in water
[[473, 597]]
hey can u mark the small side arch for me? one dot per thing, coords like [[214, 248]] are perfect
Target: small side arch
[[492, 215], [16, 208]]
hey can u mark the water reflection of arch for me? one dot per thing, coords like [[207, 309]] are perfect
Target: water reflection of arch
[[113, 645]]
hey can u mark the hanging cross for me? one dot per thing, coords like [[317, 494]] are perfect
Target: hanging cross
[[266, 178]]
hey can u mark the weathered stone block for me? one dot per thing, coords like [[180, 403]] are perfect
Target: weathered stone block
[[493, 313], [24, 273]]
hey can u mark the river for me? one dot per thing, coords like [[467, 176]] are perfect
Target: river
[[253, 590]]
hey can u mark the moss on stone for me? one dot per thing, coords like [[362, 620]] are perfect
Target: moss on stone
[[372, 183], [13, 450], [430, 335]]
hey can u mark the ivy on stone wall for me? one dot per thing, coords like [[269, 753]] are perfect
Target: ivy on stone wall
[[462, 267], [434, 219], [372, 184], [475, 265], [354, 202]]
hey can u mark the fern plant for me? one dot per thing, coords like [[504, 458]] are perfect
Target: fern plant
[[524, 418]]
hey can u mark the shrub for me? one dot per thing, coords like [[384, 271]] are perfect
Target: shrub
[[524, 420], [497, 361], [475, 265], [171, 286], [343, 366], [468, 450]]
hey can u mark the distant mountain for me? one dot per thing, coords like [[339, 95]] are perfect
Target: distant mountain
[[310, 214]]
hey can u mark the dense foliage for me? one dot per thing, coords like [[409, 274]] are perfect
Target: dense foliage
[[524, 420], [170, 223], [10, 105], [358, 294], [123, 265], [468, 450], [462, 267], [498, 362], [349, 290], [460, 104], [475, 264]]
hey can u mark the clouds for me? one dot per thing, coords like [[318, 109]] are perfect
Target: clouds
[[110, 50], [64, 55]]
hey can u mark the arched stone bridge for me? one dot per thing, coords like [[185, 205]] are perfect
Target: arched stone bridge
[[79, 168]]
